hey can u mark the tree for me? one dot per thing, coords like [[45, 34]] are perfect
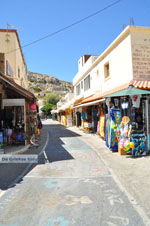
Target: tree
[[52, 98], [50, 102], [47, 108]]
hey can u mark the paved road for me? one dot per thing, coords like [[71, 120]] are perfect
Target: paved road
[[74, 187], [11, 173]]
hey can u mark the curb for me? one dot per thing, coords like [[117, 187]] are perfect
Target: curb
[[20, 151]]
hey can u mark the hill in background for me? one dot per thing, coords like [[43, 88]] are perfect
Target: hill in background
[[41, 83]]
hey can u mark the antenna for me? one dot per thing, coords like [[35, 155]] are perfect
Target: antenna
[[10, 26], [7, 34], [131, 21], [124, 26]]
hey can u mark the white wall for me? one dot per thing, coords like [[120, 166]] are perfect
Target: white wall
[[67, 98], [120, 66], [83, 69], [82, 74], [120, 63], [128, 57]]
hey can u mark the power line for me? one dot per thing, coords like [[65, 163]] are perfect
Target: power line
[[69, 26]]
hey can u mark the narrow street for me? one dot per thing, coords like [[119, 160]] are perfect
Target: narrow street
[[72, 187]]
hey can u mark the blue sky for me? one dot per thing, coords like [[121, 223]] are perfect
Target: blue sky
[[58, 55]]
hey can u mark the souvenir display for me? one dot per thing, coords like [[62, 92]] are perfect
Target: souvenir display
[[139, 148], [102, 126], [115, 118], [107, 129]]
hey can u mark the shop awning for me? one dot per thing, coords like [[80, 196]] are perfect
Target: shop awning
[[89, 103], [19, 89], [141, 84], [54, 111], [129, 91]]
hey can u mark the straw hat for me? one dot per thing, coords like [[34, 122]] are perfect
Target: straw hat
[[125, 120]]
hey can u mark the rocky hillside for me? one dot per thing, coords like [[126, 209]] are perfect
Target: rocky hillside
[[41, 83]]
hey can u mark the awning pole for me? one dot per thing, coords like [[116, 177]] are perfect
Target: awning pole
[[147, 123]]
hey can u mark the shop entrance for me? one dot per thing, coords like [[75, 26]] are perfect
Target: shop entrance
[[78, 119], [14, 121]]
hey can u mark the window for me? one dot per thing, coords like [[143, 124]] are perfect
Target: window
[[97, 72], [87, 83], [78, 89], [18, 72], [106, 70], [9, 70], [81, 84]]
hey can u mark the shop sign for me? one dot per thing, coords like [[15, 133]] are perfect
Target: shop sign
[[7, 158], [87, 125]]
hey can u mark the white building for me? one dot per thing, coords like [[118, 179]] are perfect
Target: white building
[[125, 61], [65, 102], [124, 65], [84, 81]]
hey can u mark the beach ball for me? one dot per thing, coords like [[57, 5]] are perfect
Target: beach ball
[[131, 145], [127, 146]]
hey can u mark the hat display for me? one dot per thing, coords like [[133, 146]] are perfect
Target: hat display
[[125, 120]]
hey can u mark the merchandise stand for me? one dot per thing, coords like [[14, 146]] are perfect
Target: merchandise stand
[[133, 131], [14, 130]]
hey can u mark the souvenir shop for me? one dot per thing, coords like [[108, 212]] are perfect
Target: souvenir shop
[[65, 117], [19, 121], [12, 122], [87, 116], [33, 121], [69, 116], [15, 122], [127, 125], [77, 116]]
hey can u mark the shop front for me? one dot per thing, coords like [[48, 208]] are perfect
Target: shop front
[[88, 116], [13, 121], [69, 116], [127, 122], [14, 113]]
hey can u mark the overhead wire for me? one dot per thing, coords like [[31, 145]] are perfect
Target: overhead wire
[[69, 26]]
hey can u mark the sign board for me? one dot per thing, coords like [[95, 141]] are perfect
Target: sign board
[[8, 158], [87, 125], [13, 102]]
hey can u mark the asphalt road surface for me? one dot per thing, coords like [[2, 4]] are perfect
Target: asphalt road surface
[[73, 187]]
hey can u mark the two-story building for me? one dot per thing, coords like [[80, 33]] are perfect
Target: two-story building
[[86, 88], [18, 111], [121, 75]]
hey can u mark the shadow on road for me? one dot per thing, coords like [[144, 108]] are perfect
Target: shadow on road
[[55, 150], [13, 173]]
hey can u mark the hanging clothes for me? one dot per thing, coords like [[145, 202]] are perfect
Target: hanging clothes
[[107, 129], [84, 115], [102, 126], [136, 100], [115, 119]]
